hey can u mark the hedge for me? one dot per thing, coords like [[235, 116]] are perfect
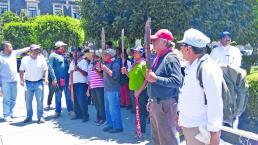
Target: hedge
[[44, 30], [51, 28], [252, 105], [19, 34]]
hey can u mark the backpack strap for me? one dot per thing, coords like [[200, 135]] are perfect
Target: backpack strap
[[199, 76]]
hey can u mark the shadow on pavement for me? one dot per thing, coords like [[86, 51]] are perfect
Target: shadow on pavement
[[90, 131]]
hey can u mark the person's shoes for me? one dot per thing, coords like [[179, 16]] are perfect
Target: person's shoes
[[27, 120], [107, 128], [57, 115], [85, 119], [75, 117], [116, 130], [8, 119], [41, 120], [47, 108], [96, 121], [100, 122]]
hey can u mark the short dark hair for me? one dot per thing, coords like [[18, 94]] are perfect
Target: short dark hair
[[197, 50], [4, 44]]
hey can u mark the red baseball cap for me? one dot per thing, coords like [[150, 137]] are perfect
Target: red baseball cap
[[164, 34]]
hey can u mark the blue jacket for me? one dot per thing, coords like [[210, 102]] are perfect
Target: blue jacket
[[58, 65], [169, 79]]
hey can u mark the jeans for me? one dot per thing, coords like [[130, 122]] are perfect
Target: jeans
[[80, 100], [68, 100], [36, 88], [9, 98], [112, 109], [98, 99]]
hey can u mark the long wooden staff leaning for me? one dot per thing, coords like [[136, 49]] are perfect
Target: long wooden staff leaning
[[75, 64], [103, 42], [123, 46]]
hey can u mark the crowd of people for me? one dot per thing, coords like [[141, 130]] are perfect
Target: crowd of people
[[169, 94]]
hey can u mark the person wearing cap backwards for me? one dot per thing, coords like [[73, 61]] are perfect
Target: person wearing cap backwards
[[111, 72], [193, 111], [79, 74], [8, 75], [59, 71], [32, 70], [226, 54], [163, 87]]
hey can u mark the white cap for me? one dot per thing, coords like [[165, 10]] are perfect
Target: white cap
[[34, 47], [110, 51], [59, 44], [195, 38]]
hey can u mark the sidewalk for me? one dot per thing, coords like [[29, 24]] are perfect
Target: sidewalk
[[63, 131]]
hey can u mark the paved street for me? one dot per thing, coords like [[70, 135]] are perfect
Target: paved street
[[62, 131]]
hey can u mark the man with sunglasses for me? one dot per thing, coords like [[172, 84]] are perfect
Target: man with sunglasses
[[163, 87], [32, 70], [193, 111]]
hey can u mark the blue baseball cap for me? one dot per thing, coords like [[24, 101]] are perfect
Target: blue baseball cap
[[138, 48], [224, 33]]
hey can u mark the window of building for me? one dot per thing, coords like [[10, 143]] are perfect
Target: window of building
[[32, 11], [58, 10], [3, 8], [76, 12]]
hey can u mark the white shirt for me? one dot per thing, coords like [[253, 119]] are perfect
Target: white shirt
[[77, 76], [191, 104], [226, 55], [34, 68], [8, 65]]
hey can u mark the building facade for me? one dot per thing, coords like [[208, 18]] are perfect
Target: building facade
[[40, 7]]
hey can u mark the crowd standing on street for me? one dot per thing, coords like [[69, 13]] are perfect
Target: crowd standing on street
[[169, 94]]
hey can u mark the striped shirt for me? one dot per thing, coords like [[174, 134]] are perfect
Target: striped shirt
[[96, 81]]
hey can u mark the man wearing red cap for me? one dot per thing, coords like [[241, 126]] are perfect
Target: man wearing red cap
[[163, 89]]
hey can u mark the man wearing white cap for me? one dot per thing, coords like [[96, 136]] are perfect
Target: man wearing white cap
[[59, 66], [193, 111], [32, 70]]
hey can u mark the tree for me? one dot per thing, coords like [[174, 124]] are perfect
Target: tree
[[19, 34], [44, 30], [51, 28], [7, 17], [211, 17]]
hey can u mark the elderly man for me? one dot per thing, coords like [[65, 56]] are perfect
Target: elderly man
[[194, 112], [32, 70], [163, 89], [226, 54], [111, 72], [8, 75], [59, 71], [79, 73]]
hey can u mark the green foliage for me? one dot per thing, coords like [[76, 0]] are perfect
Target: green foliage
[[211, 17], [253, 92], [44, 30], [19, 34], [50, 28], [7, 17], [248, 61]]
